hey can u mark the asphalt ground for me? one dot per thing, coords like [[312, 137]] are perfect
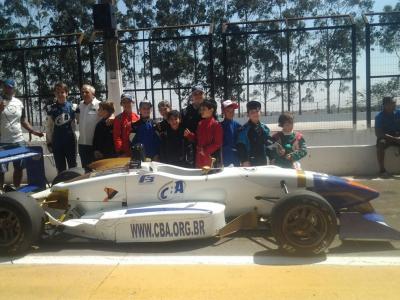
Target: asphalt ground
[[246, 265]]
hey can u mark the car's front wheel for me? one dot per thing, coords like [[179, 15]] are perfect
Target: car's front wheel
[[303, 223], [21, 220]]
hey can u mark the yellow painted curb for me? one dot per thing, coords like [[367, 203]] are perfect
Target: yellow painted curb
[[198, 282]]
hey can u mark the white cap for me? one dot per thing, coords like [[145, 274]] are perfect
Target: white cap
[[228, 103]]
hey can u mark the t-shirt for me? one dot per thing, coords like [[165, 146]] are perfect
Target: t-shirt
[[88, 119], [389, 123], [61, 124], [10, 122]]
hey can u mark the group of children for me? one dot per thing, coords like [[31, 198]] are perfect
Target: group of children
[[191, 138]]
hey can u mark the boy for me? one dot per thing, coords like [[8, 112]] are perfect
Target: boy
[[253, 138], [144, 132], [60, 129], [230, 132], [122, 127], [191, 117], [172, 147], [291, 146], [103, 144], [164, 107]]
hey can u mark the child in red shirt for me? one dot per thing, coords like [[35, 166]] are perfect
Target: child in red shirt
[[122, 127], [208, 135]]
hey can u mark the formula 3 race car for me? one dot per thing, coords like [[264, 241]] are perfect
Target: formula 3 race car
[[132, 201]]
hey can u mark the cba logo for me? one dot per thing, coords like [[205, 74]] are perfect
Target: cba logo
[[62, 119], [172, 190]]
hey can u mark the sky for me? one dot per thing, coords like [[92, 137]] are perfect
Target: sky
[[380, 4]]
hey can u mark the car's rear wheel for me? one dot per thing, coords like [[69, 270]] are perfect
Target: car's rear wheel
[[21, 220], [68, 175], [303, 223]]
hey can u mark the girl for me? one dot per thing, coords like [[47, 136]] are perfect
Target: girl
[[208, 136]]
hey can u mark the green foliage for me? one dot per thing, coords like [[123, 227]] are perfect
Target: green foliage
[[323, 54]]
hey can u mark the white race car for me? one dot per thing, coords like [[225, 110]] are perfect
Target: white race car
[[154, 202]]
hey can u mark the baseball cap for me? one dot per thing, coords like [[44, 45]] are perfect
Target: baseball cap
[[127, 96], [253, 105], [197, 88], [228, 103], [9, 82]]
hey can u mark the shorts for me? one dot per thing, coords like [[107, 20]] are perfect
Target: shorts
[[16, 163]]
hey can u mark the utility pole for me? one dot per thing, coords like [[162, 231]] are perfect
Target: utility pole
[[113, 72]]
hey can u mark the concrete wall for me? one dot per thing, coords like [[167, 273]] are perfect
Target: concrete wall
[[336, 152], [349, 160]]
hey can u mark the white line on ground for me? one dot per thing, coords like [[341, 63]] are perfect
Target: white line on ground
[[204, 260]]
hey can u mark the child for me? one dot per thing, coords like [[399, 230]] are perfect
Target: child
[[122, 127], [172, 148], [144, 132], [291, 146], [208, 136], [103, 144], [253, 138], [60, 133], [230, 132], [164, 107]]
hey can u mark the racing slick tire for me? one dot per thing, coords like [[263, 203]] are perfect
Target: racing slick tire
[[68, 175], [21, 220], [303, 223]]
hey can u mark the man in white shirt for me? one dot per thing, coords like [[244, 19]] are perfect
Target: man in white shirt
[[87, 120], [12, 119]]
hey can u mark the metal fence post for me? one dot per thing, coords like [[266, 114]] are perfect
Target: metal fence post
[[354, 69], [91, 61], [79, 61], [211, 50], [151, 78], [288, 63], [225, 62], [368, 71]]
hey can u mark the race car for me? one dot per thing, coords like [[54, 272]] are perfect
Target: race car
[[128, 201]]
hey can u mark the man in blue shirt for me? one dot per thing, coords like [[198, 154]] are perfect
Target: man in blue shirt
[[387, 130], [231, 131]]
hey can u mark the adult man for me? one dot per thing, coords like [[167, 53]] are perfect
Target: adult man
[[230, 133], [253, 138], [123, 126], [387, 131], [87, 120], [190, 119], [12, 117]]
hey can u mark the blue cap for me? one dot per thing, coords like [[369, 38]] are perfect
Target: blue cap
[[127, 96], [198, 88], [9, 82]]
